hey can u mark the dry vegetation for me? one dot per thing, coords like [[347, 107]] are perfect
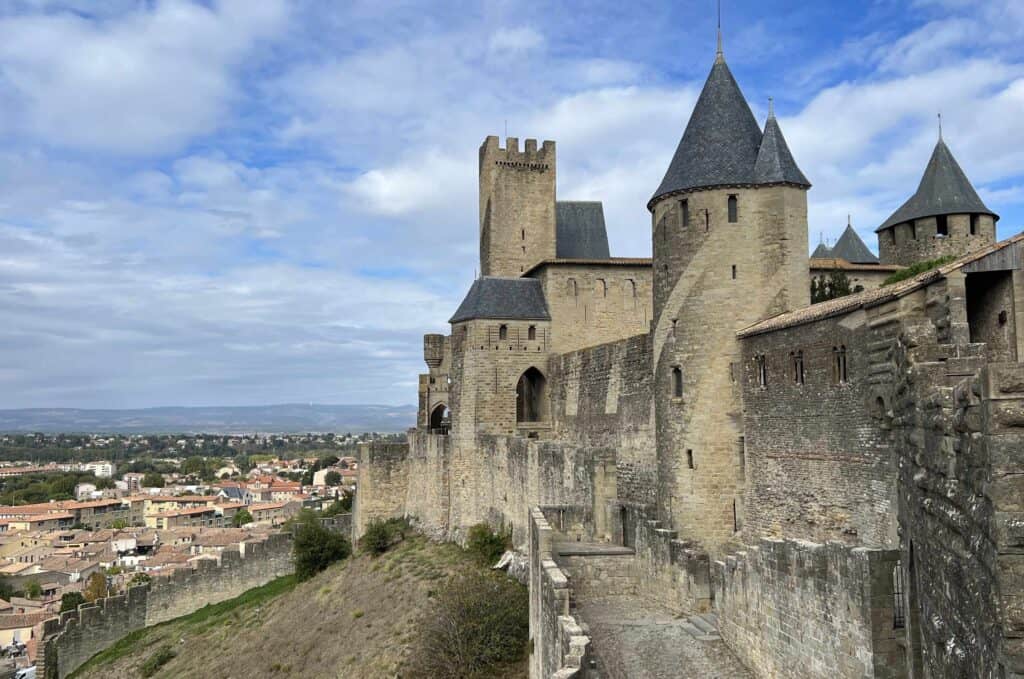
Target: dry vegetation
[[361, 617]]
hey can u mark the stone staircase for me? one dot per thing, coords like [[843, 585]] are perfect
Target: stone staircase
[[703, 627]]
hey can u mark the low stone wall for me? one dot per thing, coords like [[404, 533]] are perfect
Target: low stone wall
[[802, 610], [74, 637], [595, 574], [560, 647]]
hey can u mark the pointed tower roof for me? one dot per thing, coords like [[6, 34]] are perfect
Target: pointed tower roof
[[851, 248], [775, 164], [822, 252], [944, 190], [720, 143]]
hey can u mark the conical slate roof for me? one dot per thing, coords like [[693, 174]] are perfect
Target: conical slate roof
[[944, 190], [851, 248], [822, 252], [775, 164], [503, 298]]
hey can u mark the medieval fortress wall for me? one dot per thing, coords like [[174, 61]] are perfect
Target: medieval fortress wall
[[840, 483], [74, 637]]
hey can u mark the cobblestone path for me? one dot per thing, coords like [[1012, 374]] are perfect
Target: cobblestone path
[[636, 639]]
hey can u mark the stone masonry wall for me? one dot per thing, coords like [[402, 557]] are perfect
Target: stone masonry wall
[[906, 245], [817, 458], [381, 485], [560, 648], [802, 610], [76, 636]]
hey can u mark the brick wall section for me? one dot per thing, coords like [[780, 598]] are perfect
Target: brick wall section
[[560, 648], [585, 313], [694, 286], [76, 636], [804, 611], [904, 245], [818, 461]]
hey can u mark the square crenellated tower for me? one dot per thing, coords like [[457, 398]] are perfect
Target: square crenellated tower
[[517, 206]]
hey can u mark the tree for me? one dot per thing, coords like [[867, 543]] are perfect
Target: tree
[[70, 601], [95, 587], [837, 284], [139, 579], [6, 591], [241, 517], [315, 547], [33, 590], [332, 478], [152, 480], [118, 524]]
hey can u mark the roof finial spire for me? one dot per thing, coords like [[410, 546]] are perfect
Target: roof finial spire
[[719, 56], [771, 107], [848, 219], [940, 125]]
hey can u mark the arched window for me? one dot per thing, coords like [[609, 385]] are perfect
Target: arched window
[[531, 397], [677, 382], [631, 287], [503, 332], [531, 332], [798, 366], [440, 419], [733, 208], [601, 288], [839, 374]]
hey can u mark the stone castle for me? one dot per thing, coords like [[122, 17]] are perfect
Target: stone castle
[[840, 484]]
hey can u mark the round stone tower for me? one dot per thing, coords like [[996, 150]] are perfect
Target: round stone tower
[[730, 248], [944, 217]]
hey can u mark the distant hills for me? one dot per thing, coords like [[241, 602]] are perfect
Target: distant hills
[[286, 418]]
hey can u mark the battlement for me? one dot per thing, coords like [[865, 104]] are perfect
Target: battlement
[[530, 158]]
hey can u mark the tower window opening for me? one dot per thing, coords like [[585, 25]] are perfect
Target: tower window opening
[[974, 225], [733, 208], [707, 220], [689, 458], [675, 322], [503, 332], [942, 225], [531, 397], [913, 230], [798, 366], [839, 374], [531, 332], [523, 234], [762, 370], [572, 287], [684, 210], [677, 382], [734, 272]]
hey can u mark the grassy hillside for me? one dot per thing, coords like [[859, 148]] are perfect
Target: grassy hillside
[[359, 618]]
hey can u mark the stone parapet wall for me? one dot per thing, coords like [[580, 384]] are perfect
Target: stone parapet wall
[[674, 573], [560, 647], [74, 637], [803, 610]]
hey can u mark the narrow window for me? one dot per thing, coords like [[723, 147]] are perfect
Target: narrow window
[[974, 225], [531, 333], [762, 370], [631, 286], [839, 374], [503, 332], [798, 367], [689, 458], [942, 225], [707, 220], [677, 382], [572, 287], [913, 230], [675, 321], [734, 272], [733, 209], [684, 210], [523, 234]]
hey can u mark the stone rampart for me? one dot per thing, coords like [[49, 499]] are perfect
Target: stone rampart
[[76, 636], [803, 610], [673, 572], [560, 647]]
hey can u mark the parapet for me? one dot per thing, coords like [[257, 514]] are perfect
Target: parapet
[[530, 158]]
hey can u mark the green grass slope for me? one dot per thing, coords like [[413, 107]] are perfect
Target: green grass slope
[[359, 618]]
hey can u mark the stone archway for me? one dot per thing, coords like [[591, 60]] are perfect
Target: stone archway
[[440, 419], [531, 397]]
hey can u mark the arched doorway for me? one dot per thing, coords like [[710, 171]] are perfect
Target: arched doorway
[[531, 397], [440, 419]]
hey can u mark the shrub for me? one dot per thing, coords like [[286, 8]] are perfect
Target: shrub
[[154, 662], [69, 601], [380, 535], [485, 545], [480, 624], [315, 547], [915, 269]]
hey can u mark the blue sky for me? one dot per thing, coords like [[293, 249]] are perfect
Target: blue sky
[[248, 202]]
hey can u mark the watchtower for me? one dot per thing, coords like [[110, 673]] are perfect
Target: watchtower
[[517, 206]]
